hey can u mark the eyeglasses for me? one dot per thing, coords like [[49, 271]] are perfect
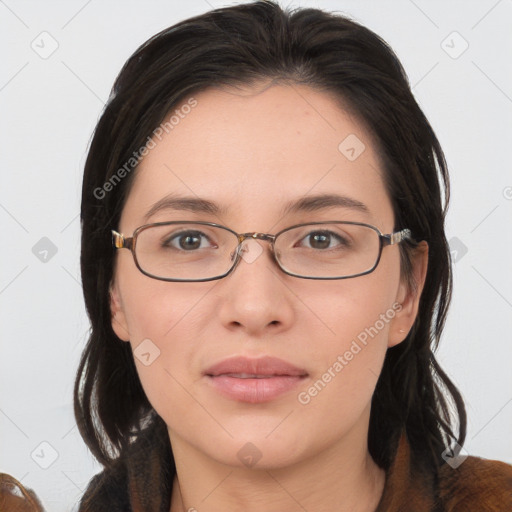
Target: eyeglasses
[[205, 251]]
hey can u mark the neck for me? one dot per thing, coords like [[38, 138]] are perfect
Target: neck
[[343, 477]]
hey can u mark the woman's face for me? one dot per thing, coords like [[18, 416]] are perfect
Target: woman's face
[[252, 152]]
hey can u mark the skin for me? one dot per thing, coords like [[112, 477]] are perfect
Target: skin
[[251, 150]]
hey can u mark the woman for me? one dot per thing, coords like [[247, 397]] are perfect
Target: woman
[[266, 272]]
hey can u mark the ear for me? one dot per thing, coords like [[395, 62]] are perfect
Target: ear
[[118, 318], [408, 296]]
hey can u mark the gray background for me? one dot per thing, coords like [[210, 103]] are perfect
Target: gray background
[[50, 104]]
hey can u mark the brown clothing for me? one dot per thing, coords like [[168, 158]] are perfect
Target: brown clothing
[[477, 485]]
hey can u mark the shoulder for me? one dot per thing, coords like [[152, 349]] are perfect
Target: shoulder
[[476, 484]]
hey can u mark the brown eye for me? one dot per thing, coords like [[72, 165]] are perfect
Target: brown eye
[[324, 240], [186, 240]]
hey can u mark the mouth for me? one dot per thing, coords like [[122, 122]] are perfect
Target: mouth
[[249, 376], [254, 380]]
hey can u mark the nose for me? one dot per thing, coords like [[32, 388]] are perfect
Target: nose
[[255, 295]]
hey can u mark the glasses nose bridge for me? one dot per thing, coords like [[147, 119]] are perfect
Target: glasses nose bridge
[[256, 236]]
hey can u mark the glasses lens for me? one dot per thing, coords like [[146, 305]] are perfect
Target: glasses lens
[[332, 250], [185, 251]]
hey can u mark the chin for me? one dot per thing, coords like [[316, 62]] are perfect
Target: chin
[[256, 452]]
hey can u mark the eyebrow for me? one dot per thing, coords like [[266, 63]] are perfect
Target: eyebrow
[[312, 203], [320, 202], [184, 203]]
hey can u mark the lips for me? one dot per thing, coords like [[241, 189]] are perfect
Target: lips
[[263, 367], [254, 380]]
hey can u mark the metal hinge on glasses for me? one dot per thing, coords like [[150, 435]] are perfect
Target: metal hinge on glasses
[[396, 238]]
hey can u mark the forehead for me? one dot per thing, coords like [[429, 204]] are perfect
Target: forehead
[[253, 151]]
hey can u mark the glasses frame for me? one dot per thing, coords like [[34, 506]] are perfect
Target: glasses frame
[[119, 241]]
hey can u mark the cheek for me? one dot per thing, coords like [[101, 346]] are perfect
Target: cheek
[[163, 338], [349, 349], [360, 308], [155, 309], [355, 324], [163, 321]]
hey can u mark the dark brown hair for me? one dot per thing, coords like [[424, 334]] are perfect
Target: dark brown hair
[[243, 45]]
